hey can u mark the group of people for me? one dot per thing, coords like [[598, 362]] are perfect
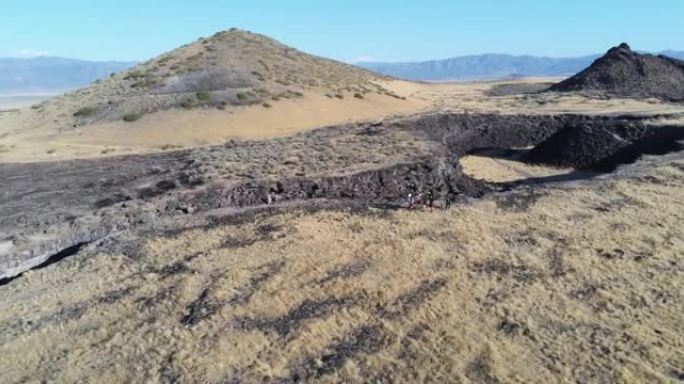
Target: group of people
[[420, 200]]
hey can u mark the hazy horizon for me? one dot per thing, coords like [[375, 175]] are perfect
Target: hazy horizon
[[352, 32]]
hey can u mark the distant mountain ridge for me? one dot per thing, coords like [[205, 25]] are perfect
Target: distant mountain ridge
[[489, 66], [52, 74]]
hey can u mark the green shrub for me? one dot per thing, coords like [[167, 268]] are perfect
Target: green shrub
[[339, 96], [85, 112], [131, 117], [133, 75], [242, 96], [266, 105], [358, 96], [203, 96]]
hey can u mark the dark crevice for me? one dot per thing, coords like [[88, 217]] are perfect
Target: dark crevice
[[53, 259]]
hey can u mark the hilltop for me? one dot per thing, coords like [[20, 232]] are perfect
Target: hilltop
[[228, 69], [234, 84], [624, 73]]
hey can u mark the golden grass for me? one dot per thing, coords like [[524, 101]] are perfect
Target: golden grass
[[572, 284]]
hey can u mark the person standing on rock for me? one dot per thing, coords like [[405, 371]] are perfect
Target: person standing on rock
[[430, 199], [447, 201], [409, 200]]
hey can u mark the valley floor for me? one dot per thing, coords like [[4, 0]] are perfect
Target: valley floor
[[576, 282]]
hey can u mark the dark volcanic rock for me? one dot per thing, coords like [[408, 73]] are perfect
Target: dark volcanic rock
[[625, 73], [605, 146], [577, 147]]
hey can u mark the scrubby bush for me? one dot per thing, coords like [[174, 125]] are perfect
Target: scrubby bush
[[167, 147], [339, 96], [242, 96], [203, 96], [85, 112], [358, 96], [266, 105], [133, 75], [131, 117], [187, 103]]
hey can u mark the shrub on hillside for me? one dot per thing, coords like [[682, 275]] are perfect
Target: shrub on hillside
[[131, 117], [85, 112], [203, 96]]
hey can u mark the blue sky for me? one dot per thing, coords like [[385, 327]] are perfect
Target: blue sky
[[346, 30]]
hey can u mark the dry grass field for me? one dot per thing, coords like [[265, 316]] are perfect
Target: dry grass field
[[578, 282]]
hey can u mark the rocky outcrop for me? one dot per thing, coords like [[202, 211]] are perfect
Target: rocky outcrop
[[604, 147], [384, 185], [47, 209], [625, 73]]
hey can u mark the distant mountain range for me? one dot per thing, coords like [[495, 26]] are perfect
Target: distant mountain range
[[56, 74], [489, 66], [52, 74]]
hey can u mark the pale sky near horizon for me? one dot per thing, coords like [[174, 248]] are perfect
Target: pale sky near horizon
[[350, 30]]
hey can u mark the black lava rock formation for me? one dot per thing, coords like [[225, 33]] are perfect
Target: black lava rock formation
[[605, 146], [624, 73]]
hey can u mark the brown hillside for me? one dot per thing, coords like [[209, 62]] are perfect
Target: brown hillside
[[229, 69]]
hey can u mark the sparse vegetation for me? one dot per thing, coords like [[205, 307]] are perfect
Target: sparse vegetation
[[51, 151], [168, 147], [339, 96], [266, 105], [242, 96], [358, 96]]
